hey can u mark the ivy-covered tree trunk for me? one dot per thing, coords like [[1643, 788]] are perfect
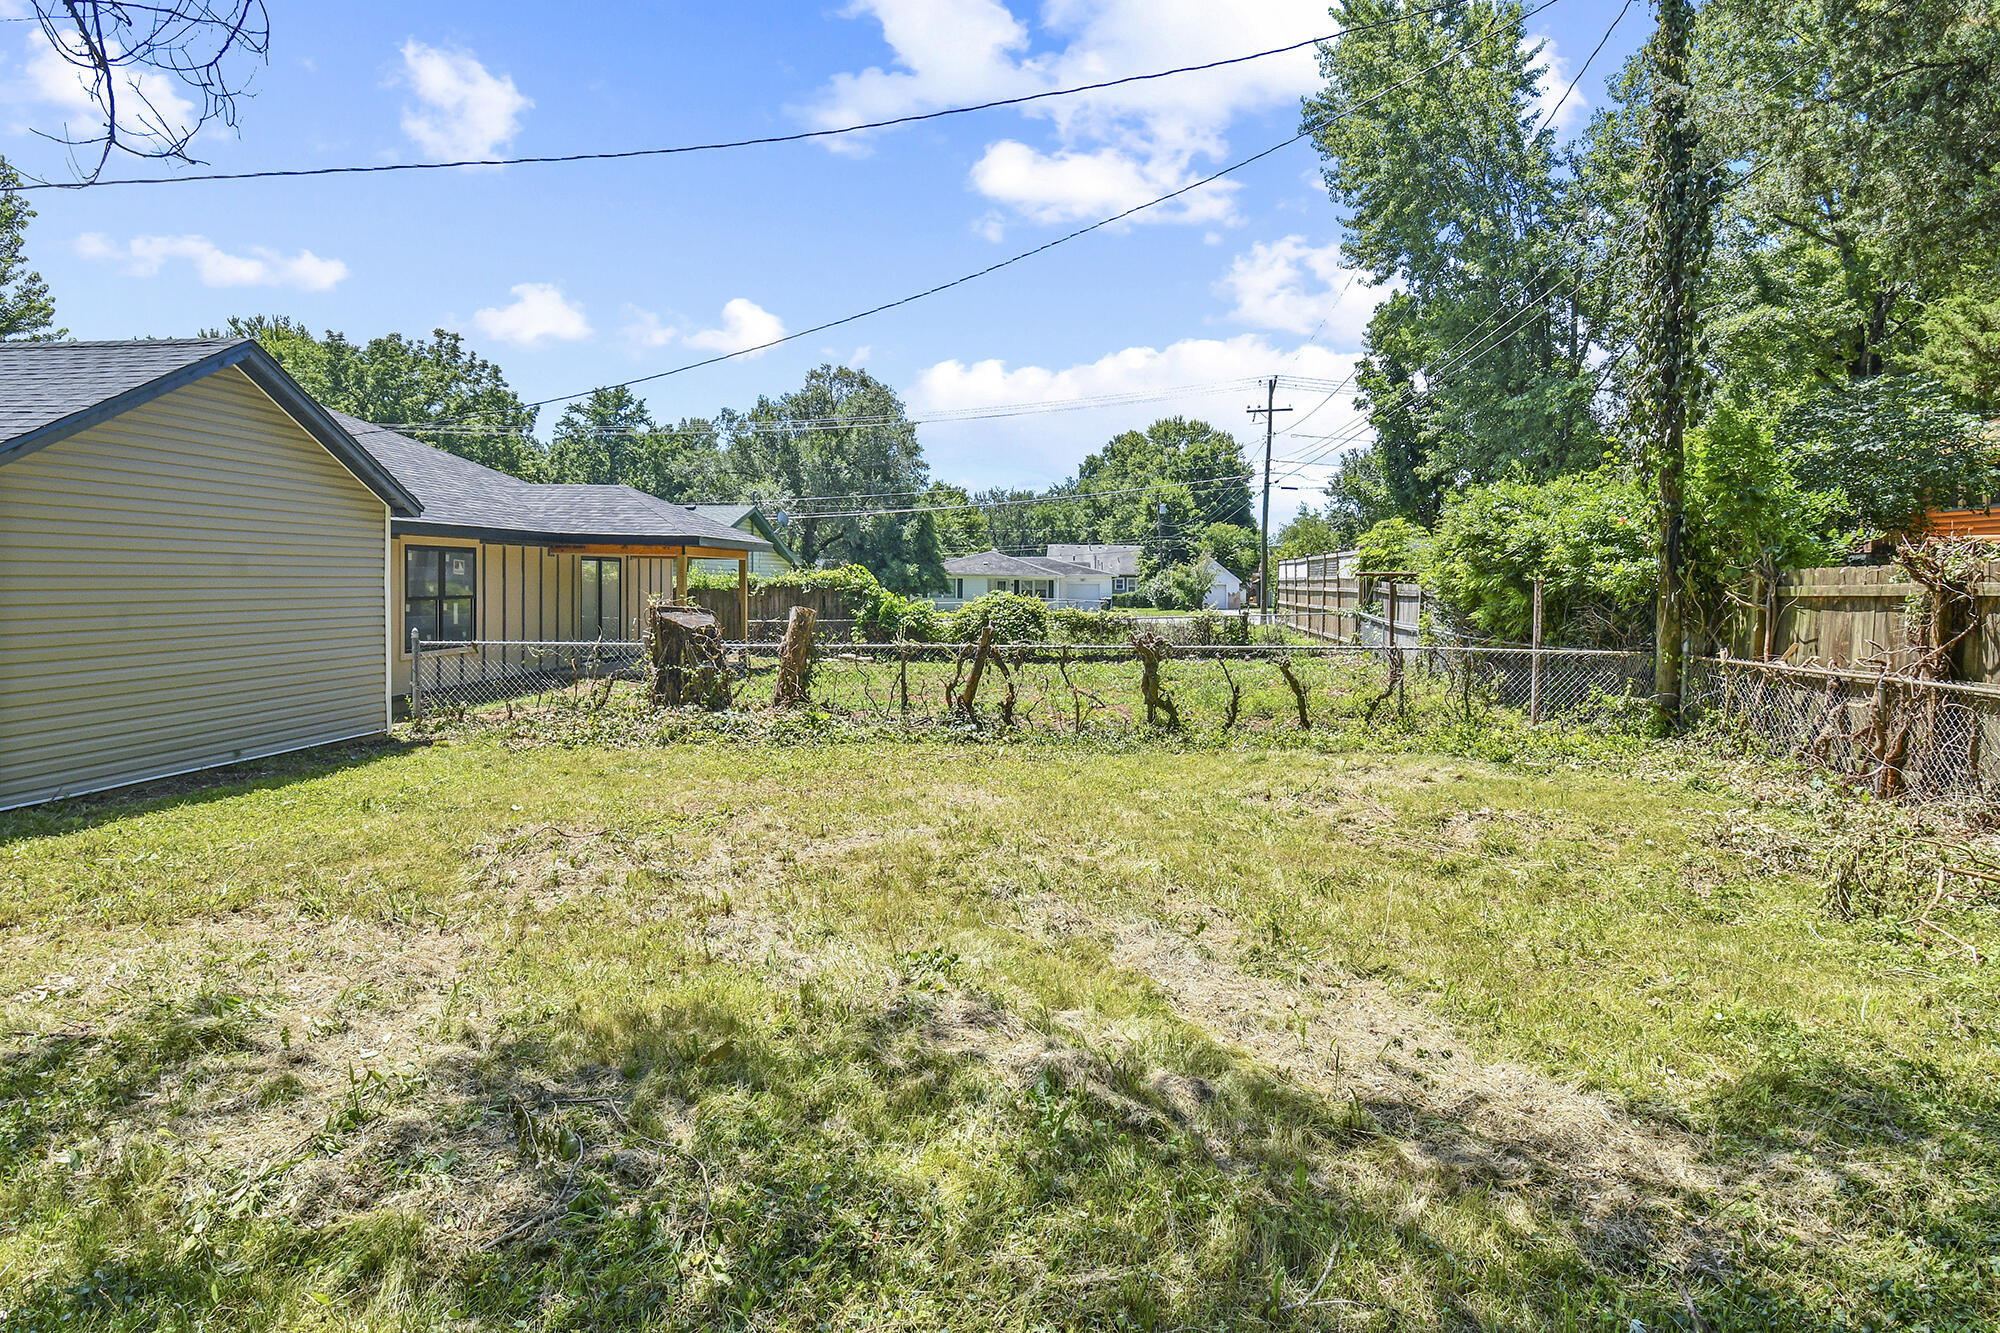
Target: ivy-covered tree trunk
[[1679, 197]]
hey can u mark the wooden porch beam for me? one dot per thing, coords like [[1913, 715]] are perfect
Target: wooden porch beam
[[743, 591]]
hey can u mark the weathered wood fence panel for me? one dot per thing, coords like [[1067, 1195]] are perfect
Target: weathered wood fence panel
[[1856, 615], [770, 609], [1323, 595]]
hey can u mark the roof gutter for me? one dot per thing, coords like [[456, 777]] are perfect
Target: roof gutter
[[539, 537]]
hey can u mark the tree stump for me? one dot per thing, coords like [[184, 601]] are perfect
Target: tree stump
[[795, 661], [688, 663]]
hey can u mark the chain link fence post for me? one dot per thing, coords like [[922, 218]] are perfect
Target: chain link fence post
[[416, 674]]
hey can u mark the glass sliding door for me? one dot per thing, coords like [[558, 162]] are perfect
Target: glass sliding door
[[600, 603]]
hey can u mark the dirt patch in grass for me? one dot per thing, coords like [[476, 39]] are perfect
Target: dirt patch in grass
[[1634, 1189]]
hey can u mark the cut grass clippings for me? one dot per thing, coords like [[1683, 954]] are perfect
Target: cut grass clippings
[[635, 1029]]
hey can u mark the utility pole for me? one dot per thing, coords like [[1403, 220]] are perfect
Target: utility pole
[[1269, 411]]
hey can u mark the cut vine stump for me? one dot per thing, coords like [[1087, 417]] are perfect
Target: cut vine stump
[[795, 656]]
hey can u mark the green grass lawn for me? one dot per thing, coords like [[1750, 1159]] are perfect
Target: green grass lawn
[[475, 1031]]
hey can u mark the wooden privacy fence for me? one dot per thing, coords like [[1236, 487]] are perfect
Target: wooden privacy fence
[[771, 609], [1856, 615], [1315, 597]]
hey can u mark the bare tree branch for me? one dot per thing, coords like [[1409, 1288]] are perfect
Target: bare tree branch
[[156, 73]]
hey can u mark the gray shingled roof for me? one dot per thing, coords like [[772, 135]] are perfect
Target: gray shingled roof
[[461, 496], [1119, 560], [42, 383], [50, 390], [998, 565]]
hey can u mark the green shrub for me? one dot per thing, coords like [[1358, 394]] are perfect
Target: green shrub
[[1078, 626], [1015, 619], [878, 613], [1209, 628], [1179, 587], [1587, 536], [1132, 601]]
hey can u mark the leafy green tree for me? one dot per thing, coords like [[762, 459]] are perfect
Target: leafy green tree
[[1162, 487], [1307, 534], [1357, 498], [26, 311], [961, 530], [1232, 546], [1453, 188], [1393, 546], [1961, 342], [1022, 520], [435, 391], [1894, 448], [610, 438], [834, 452]]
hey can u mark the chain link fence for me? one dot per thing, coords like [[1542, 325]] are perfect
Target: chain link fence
[[1902, 736], [1071, 687]]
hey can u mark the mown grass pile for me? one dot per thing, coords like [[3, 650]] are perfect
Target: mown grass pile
[[810, 1029]]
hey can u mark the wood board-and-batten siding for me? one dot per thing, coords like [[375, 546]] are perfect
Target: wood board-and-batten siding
[[191, 583], [531, 592]]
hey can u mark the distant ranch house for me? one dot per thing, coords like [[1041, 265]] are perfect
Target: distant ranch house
[[1060, 582], [200, 565]]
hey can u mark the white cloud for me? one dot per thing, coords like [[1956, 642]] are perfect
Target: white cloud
[[1045, 447], [644, 329], [949, 52], [261, 266], [1554, 82], [540, 313], [744, 324], [464, 111], [1300, 288], [1068, 186]]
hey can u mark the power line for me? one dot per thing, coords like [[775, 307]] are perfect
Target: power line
[[942, 416], [1064, 239], [1073, 497], [801, 136]]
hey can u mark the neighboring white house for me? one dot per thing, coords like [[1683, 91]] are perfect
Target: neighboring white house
[[750, 519], [1120, 562], [1225, 590], [1061, 582]]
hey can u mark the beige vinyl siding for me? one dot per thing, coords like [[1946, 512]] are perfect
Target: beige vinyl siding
[[192, 583]]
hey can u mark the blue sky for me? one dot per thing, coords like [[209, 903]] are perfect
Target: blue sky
[[579, 274]]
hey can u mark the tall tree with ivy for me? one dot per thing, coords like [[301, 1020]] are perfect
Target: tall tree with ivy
[[1678, 195], [26, 311]]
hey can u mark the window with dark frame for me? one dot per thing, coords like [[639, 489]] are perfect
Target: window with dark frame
[[438, 594], [600, 607]]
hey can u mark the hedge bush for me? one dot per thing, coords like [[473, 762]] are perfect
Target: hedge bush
[[1015, 619], [1078, 626]]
